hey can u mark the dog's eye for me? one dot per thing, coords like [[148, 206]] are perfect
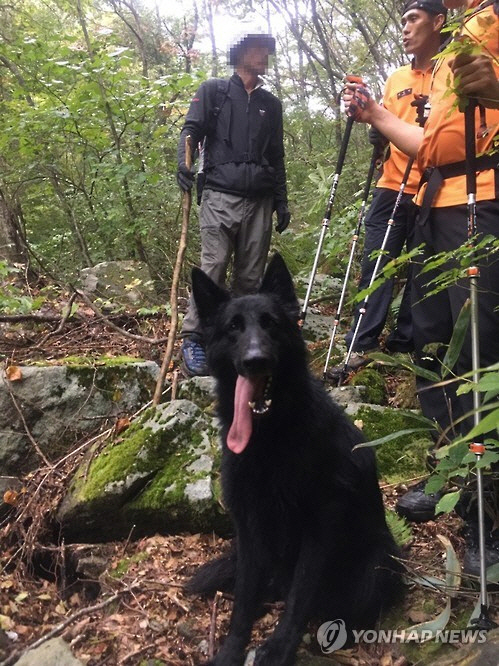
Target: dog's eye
[[266, 320], [236, 323]]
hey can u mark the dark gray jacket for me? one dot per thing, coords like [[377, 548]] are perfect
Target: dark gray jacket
[[244, 152]]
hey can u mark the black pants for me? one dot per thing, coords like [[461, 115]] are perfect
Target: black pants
[[379, 301], [434, 317]]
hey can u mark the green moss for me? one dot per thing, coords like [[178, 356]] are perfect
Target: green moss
[[148, 477], [107, 379], [89, 361], [374, 383], [123, 566], [401, 458]]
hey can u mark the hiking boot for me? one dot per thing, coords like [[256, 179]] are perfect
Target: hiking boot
[[416, 505], [194, 357], [357, 360], [471, 560]]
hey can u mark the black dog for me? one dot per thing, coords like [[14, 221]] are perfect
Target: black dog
[[307, 509]]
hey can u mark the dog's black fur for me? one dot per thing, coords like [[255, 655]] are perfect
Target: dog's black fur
[[307, 508]]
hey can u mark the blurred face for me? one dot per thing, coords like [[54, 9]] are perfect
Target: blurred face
[[254, 60], [419, 29]]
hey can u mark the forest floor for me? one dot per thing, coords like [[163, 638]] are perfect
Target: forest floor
[[132, 610]]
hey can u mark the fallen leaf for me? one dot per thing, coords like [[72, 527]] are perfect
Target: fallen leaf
[[10, 497], [122, 424], [13, 373], [5, 623]]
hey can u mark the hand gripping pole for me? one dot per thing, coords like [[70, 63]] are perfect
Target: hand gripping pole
[[420, 102], [355, 238], [327, 215]]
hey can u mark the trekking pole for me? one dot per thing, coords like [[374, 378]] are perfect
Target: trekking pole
[[186, 209], [355, 239], [420, 104], [473, 272], [327, 215]]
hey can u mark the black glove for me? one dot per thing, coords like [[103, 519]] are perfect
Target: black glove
[[185, 178], [283, 217]]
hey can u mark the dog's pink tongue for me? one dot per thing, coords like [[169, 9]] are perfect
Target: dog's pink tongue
[[240, 430]]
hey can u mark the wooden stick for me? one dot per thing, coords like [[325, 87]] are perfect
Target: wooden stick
[[213, 625], [186, 209], [60, 627]]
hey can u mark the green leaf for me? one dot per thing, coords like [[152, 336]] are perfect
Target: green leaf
[[487, 424], [391, 437], [407, 365], [435, 483], [425, 631], [456, 344], [447, 503]]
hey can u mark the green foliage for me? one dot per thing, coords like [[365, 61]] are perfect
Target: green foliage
[[13, 300], [399, 527], [92, 139], [457, 464]]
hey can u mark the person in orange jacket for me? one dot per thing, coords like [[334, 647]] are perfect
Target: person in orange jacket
[[442, 225], [422, 38]]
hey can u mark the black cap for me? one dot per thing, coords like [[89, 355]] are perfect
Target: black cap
[[252, 39], [430, 6]]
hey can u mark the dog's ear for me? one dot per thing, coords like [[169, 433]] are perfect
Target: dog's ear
[[277, 280], [208, 296]]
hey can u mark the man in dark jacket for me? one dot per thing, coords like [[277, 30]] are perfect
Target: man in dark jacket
[[238, 124]]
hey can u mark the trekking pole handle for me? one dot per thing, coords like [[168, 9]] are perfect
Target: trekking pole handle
[[351, 78], [188, 151]]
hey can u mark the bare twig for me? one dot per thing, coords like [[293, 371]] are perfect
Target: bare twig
[[127, 334], [213, 625], [127, 541], [60, 627], [174, 384], [186, 209], [132, 656], [62, 323], [30, 316], [33, 441]]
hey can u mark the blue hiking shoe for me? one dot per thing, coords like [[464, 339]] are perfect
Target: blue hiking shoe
[[194, 357]]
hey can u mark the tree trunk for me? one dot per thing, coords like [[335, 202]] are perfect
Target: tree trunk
[[12, 242]]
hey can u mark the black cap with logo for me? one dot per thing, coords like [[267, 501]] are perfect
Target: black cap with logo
[[430, 6]]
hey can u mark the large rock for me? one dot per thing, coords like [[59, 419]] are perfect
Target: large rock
[[475, 654], [120, 283], [159, 476], [55, 652], [60, 404]]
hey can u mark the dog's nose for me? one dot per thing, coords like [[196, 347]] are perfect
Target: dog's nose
[[255, 362]]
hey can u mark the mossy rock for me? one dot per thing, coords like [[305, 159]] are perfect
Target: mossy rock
[[200, 390], [158, 476], [61, 404], [374, 385], [401, 458]]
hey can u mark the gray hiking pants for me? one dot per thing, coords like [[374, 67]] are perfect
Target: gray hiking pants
[[237, 228]]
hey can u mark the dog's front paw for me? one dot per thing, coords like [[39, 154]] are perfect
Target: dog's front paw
[[273, 654], [226, 658]]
